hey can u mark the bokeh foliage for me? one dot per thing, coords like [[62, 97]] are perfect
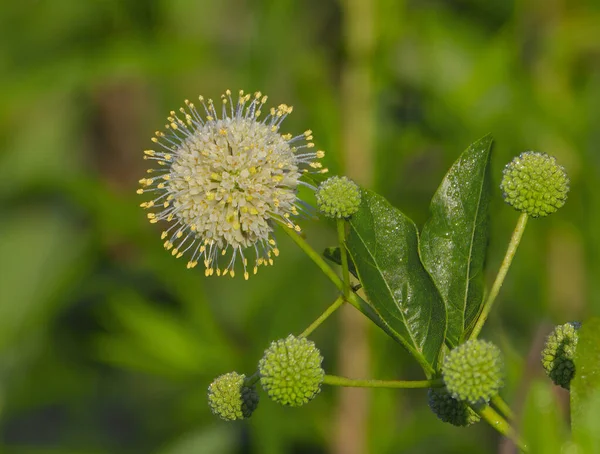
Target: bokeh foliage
[[107, 343]]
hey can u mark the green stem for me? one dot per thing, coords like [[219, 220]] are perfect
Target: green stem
[[334, 380], [502, 406], [330, 310], [510, 253], [341, 231], [500, 424]]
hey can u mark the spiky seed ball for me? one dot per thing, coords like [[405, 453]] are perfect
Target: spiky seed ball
[[290, 371], [535, 183], [473, 371], [559, 352], [230, 399], [338, 197], [450, 410]]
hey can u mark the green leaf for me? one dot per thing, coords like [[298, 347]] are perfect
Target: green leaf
[[383, 243], [454, 239], [585, 388]]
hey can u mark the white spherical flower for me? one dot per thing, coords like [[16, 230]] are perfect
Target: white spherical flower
[[223, 180]]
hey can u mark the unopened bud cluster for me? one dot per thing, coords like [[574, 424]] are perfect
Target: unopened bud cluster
[[230, 399], [559, 353], [291, 372], [450, 410], [338, 197], [534, 183], [473, 372]]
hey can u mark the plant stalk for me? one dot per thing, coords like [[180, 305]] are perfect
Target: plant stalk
[[330, 310], [510, 253], [334, 380], [499, 423]]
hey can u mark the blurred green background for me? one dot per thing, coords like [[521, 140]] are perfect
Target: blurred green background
[[107, 343]]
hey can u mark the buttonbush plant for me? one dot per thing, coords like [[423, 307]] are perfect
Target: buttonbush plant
[[226, 178]]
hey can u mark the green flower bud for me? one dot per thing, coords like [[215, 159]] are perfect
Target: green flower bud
[[338, 197], [473, 371], [290, 371], [230, 399], [535, 183], [559, 352], [450, 410]]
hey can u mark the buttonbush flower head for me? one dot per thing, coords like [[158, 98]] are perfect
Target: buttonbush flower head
[[535, 183], [450, 410], [474, 371], [338, 197], [290, 371], [229, 399], [221, 181], [559, 353]]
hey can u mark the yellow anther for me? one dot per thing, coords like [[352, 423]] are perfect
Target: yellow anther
[[168, 157], [276, 252], [149, 152], [232, 273], [255, 270], [174, 251], [308, 132], [139, 191], [223, 131], [320, 154], [310, 145], [160, 185], [179, 255], [163, 235], [179, 234], [209, 118], [153, 221], [210, 196], [151, 215], [246, 275], [166, 177], [154, 139], [228, 92]]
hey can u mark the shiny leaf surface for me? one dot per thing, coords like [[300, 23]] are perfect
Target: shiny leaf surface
[[383, 243], [454, 239]]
